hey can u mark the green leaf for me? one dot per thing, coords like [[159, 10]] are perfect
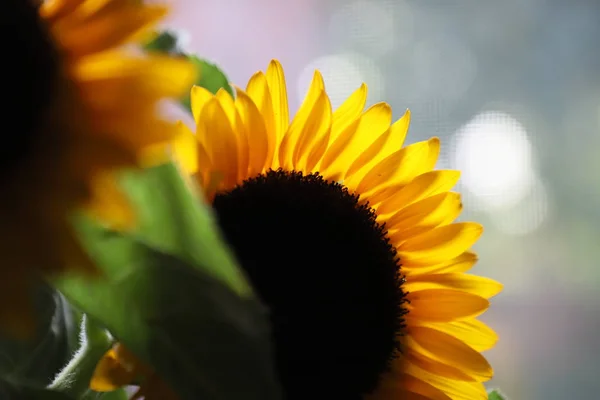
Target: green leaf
[[38, 360], [10, 390], [119, 394], [163, 42], [495, 394], [210, 76], [188, 325], [175, 221], [175, 297]]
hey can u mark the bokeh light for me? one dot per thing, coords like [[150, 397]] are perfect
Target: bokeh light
[[494, 154], [344, 73], [376, 28]]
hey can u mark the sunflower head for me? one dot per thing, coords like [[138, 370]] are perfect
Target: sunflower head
[[71, 85], [349, 237]]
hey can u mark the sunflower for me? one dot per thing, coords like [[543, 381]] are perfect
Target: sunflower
[[349, 238], [71, 81]]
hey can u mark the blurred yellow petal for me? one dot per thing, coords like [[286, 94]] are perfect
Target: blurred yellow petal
[[110, 374], [185, 149], [109, 30]]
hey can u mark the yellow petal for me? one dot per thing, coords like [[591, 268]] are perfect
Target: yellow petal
[[315, 154], [402, 386], [456, 390], [473, 332], [277, 86], [291, 142], [162, 75], [352, 142], [87, 9], [205, 170], [442, 305], [107, 30], [425, 185], [109, 374], [257, 135], [317, 126], [217, 136], [400, 167], [428, 364], [481, 286], [185, 149], [349, 111], [51, 10], [239, 132], [440, 244], [110, 204], [259, 92], [448, 350], [387, 143], [119, 127], [461, 263], [421, 388], [199, 96], [424, 215]]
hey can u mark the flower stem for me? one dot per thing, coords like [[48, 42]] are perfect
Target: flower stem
[[75, 377]]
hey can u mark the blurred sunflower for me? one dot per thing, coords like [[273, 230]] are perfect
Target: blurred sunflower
[[349, 238], [71, 83], [120, 367]]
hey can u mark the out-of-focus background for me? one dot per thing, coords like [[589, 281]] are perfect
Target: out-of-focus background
[[512, 88]]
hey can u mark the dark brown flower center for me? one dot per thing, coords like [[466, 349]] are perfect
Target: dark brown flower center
[[30, 76], [324, 266]]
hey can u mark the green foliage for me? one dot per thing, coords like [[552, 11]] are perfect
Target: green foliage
[[74, 378], [175, 297], [172, 219], [38, 360], [495, 394], [10, 390], [164, 42], [210, 76]]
